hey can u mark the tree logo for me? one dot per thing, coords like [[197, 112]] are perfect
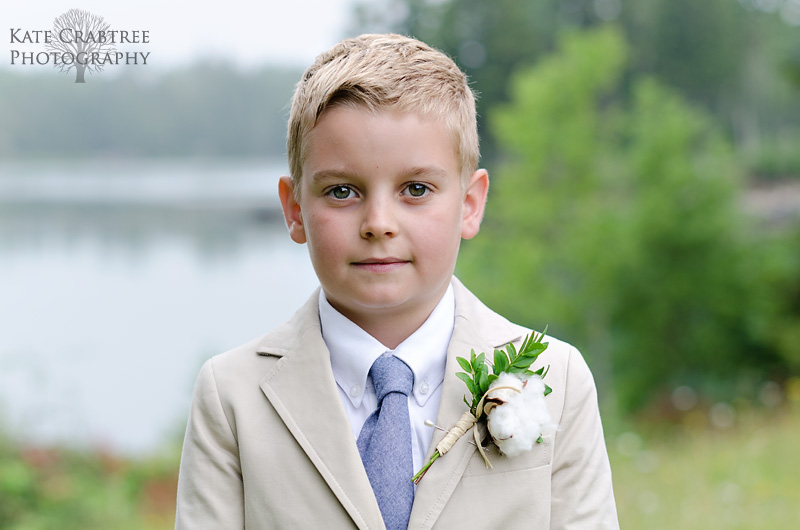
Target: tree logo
[[85, 37], [80, 40]]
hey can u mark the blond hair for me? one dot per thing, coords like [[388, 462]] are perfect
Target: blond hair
[[385, 72]]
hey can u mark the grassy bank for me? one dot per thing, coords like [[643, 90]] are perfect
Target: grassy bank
[[722, 467]]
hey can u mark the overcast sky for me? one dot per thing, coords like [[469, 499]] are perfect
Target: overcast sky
[[183, 31]]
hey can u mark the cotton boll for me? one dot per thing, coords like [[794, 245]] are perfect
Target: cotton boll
[[516, 424], [536, 405], [507, 387]]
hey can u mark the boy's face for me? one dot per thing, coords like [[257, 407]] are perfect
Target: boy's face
[[383, 210]]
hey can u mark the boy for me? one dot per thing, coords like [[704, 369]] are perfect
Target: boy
[[283, 432]]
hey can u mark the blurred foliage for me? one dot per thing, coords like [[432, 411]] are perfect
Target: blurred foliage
[[46, 488], [778, 159], [622, 218], [737, 59], [206, 110]]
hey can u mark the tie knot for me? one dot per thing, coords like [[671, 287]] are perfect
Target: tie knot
[[390, 374]]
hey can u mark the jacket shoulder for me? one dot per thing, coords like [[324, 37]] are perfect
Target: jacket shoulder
[[496, 329]]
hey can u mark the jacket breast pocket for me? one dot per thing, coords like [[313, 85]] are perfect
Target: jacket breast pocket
[[514, 493]]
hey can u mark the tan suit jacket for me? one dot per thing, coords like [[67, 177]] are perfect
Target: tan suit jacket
[[268, 443]]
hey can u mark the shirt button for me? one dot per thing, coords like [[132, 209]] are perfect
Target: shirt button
[[355, 390], [423, 387]]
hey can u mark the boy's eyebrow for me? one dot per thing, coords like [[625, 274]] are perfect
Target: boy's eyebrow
[[428, 171], [328, 175]]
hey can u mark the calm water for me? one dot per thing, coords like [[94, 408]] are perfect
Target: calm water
[[117, 280]]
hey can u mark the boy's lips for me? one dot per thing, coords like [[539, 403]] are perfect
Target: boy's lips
[[380, 264]]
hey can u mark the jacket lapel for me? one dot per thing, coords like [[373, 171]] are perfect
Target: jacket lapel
[[303, 391], [438, 484], [476, 327]]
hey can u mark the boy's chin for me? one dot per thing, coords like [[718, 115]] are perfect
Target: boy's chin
[[374, 301]]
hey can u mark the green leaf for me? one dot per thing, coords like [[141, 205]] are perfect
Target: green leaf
[[500, 362], [464, 377], [523, 363], [480, 361], [532, 344], [534, 351], [512, 351], [539, 439], [547, 390], [464, 364], [468, 380], [483, 379]]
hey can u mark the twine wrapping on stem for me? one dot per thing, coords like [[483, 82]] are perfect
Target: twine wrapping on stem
[[464, 424]]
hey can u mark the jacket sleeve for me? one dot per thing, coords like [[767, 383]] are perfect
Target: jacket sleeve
[[210, 488], [582, 492]]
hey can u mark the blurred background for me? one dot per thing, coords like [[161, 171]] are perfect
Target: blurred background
[[645, 205]]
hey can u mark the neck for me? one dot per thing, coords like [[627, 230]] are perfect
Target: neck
[[390, 326], [392, 332]]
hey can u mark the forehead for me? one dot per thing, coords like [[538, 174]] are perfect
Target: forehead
[[348, 137]]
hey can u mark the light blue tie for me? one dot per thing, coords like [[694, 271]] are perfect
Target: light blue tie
[[385, 442]]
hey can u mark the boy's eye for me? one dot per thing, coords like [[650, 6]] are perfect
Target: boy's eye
[[417, 190], [340, 192]]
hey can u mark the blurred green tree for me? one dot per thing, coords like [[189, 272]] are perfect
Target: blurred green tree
[[617, 223]]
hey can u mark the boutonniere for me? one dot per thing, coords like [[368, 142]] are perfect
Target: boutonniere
[[509, 399]]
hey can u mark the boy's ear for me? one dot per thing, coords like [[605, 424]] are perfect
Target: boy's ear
[[291, 210], [474, 203]]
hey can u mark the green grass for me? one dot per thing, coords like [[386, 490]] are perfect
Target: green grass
[[745, 475]]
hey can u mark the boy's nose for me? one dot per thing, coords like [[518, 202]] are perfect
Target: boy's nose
[[379, 221]]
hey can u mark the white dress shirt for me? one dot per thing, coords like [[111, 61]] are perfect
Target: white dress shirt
[[353, 351]]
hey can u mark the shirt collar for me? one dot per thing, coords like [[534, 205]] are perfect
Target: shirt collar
[[353, 350]]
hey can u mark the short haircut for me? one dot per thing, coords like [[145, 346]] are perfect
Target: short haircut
[[385, 72]]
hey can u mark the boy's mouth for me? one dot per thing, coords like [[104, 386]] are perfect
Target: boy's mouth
[[380, 264]]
